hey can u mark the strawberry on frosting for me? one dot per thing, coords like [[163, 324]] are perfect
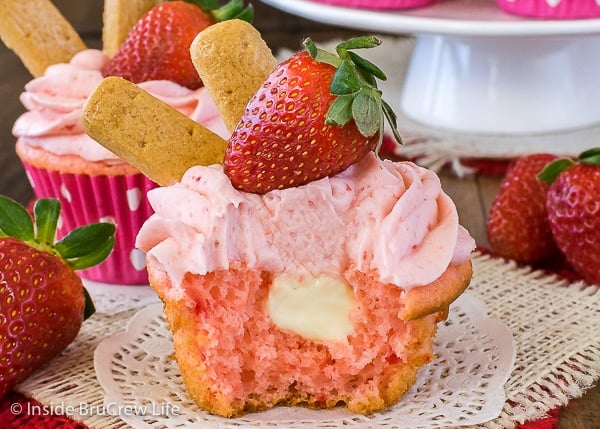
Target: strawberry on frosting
[[314, 116]]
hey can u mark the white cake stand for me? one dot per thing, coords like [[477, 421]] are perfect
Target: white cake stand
[[476, 69]]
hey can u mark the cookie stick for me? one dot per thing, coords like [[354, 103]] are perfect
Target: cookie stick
[[233, 61], [148, 133], [118, 17], [38, 33]]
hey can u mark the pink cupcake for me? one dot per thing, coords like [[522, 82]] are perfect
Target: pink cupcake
[[92, 183], [552, 9], [379, 4]]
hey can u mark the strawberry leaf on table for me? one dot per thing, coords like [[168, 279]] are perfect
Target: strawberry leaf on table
[[42, 300], [316, 114], [573, 207], [590, 156], [81, 248], [553, 169]]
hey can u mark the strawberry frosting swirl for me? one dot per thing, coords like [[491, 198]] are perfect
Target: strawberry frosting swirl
[[390, 216], [54, 104]]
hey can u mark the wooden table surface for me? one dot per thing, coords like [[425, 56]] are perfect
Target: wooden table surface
[[473, 195]]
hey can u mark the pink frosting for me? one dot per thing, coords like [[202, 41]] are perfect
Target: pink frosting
[[392, 217], [55, 100]]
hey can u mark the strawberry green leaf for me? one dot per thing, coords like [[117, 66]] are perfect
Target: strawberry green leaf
[[95, 258], [360, 42], [552, 170], [15, 221], [345, 80], [234, 9], [366, 110], [311, 47], [205, 5], [87, 245], [89, 308], [46, 212], [367, 66], [392, 120], [356, 77], [590, 156], [340, 111]]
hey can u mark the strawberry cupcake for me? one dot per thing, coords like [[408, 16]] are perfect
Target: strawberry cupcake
[[552, 9], [379, 4], [92, 183], [324, 294], [304, 270], [62, 161]]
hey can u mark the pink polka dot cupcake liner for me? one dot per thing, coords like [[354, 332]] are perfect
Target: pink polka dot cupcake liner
[[379, 4], [88, 199], [552, 9]]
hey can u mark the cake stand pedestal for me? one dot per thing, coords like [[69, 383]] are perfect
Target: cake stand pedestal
[[502, 85]]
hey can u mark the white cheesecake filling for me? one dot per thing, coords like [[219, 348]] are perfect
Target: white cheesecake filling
[[316, 308]]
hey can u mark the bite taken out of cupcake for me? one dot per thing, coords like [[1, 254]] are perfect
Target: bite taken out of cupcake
[[60, 159], [301, 269]]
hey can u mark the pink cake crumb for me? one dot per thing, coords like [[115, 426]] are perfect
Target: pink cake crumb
[[235, 360]]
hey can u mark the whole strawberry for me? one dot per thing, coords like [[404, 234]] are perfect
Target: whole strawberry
[[517, 227], [316, 114], [42, 300], [158, 46], [573, 206]]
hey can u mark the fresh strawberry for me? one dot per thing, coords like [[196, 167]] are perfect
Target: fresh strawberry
[[573, 206], [316, 114], [158, 46], [42, 300], [517, 227]]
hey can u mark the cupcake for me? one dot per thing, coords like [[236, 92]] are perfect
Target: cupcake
[[324, 294], [92, 183], [317, 278], [60, 160], [552, 9], [378, 4]]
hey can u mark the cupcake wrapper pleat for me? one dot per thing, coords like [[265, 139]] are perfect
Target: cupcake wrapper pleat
[[88, 199]]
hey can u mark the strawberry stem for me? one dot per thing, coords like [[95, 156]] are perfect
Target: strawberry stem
[[590, 156], [233, 9], [46, 212], [81, 248], [553, 169], [355, 85]]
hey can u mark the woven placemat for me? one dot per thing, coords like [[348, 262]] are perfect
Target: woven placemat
[[555, 326]]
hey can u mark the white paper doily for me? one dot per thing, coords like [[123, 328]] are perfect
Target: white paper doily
[[462, 386], [554, 324]]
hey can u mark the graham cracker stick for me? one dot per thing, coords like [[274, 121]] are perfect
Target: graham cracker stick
[[148, 133], [38, 33], [118, 17], [233, 61]]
